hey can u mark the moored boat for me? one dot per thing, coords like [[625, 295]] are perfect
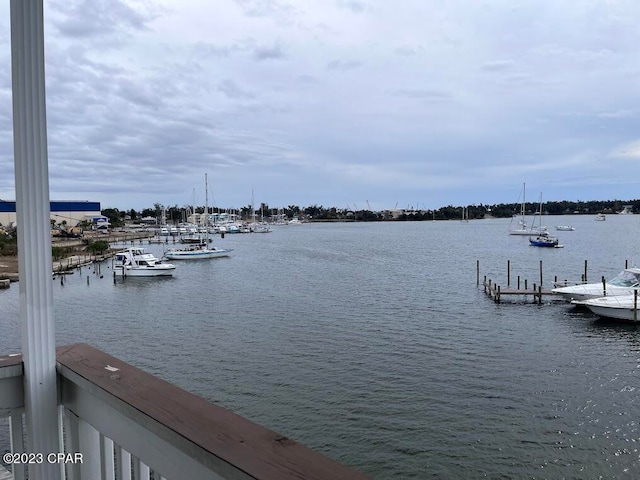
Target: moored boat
[[544, 241], [619, 307], [565, 228], [197, 251], [523, 229], [622, 284], [136, 262]]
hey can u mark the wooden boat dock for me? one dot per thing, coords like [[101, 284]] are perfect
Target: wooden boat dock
[[495, 292], [521, 287]]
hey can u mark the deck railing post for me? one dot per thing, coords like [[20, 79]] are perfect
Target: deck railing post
[[34, 240]]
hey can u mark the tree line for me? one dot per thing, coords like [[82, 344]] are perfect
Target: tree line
[[175, 214]]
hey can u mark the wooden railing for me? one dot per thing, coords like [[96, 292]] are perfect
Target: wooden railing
[[123, 423]]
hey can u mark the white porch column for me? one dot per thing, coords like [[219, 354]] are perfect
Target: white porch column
[[34, 241]]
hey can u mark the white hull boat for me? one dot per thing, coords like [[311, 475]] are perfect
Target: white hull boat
[[622, 284], [540, 232], [136, 262], [523, 229], [198, 251], [621, 307], [565, 228]]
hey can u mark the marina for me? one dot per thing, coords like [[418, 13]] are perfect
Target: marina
[[341, 337], [344, 351]]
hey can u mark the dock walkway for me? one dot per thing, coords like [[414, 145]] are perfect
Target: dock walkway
[[495, 292]]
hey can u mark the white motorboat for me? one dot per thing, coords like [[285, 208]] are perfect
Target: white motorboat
[[622, 284], [565, 228], [197, 251], [620, 307], [229, 228], [259, 228], [136, 262], [600, 217]]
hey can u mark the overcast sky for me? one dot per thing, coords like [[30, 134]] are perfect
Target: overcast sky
[[419, 103]]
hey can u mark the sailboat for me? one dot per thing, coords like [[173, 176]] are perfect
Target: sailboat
[[200, 249], [542, 239], [522, 229], [465, 215], [255, 227]]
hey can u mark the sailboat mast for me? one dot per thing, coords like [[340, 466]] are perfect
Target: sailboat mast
[[206, 205], [253, 209]]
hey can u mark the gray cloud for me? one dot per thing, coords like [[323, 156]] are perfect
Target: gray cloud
[[273, 52], [356, 6], [497, 65], [231, 90], [423, 94], [335, 102], [96, 18], [343, 65]]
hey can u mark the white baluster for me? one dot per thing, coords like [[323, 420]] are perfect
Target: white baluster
[[17, 443], [89, 441], [108, 463], [125, 465], [144, 471]]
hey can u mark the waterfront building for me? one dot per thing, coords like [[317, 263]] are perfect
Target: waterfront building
[[71, 212]]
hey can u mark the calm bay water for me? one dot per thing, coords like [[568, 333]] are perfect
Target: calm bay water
[[372, 344]]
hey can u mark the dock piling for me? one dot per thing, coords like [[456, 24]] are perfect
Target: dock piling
[[540, 273], [585, 272], [540, 295]]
